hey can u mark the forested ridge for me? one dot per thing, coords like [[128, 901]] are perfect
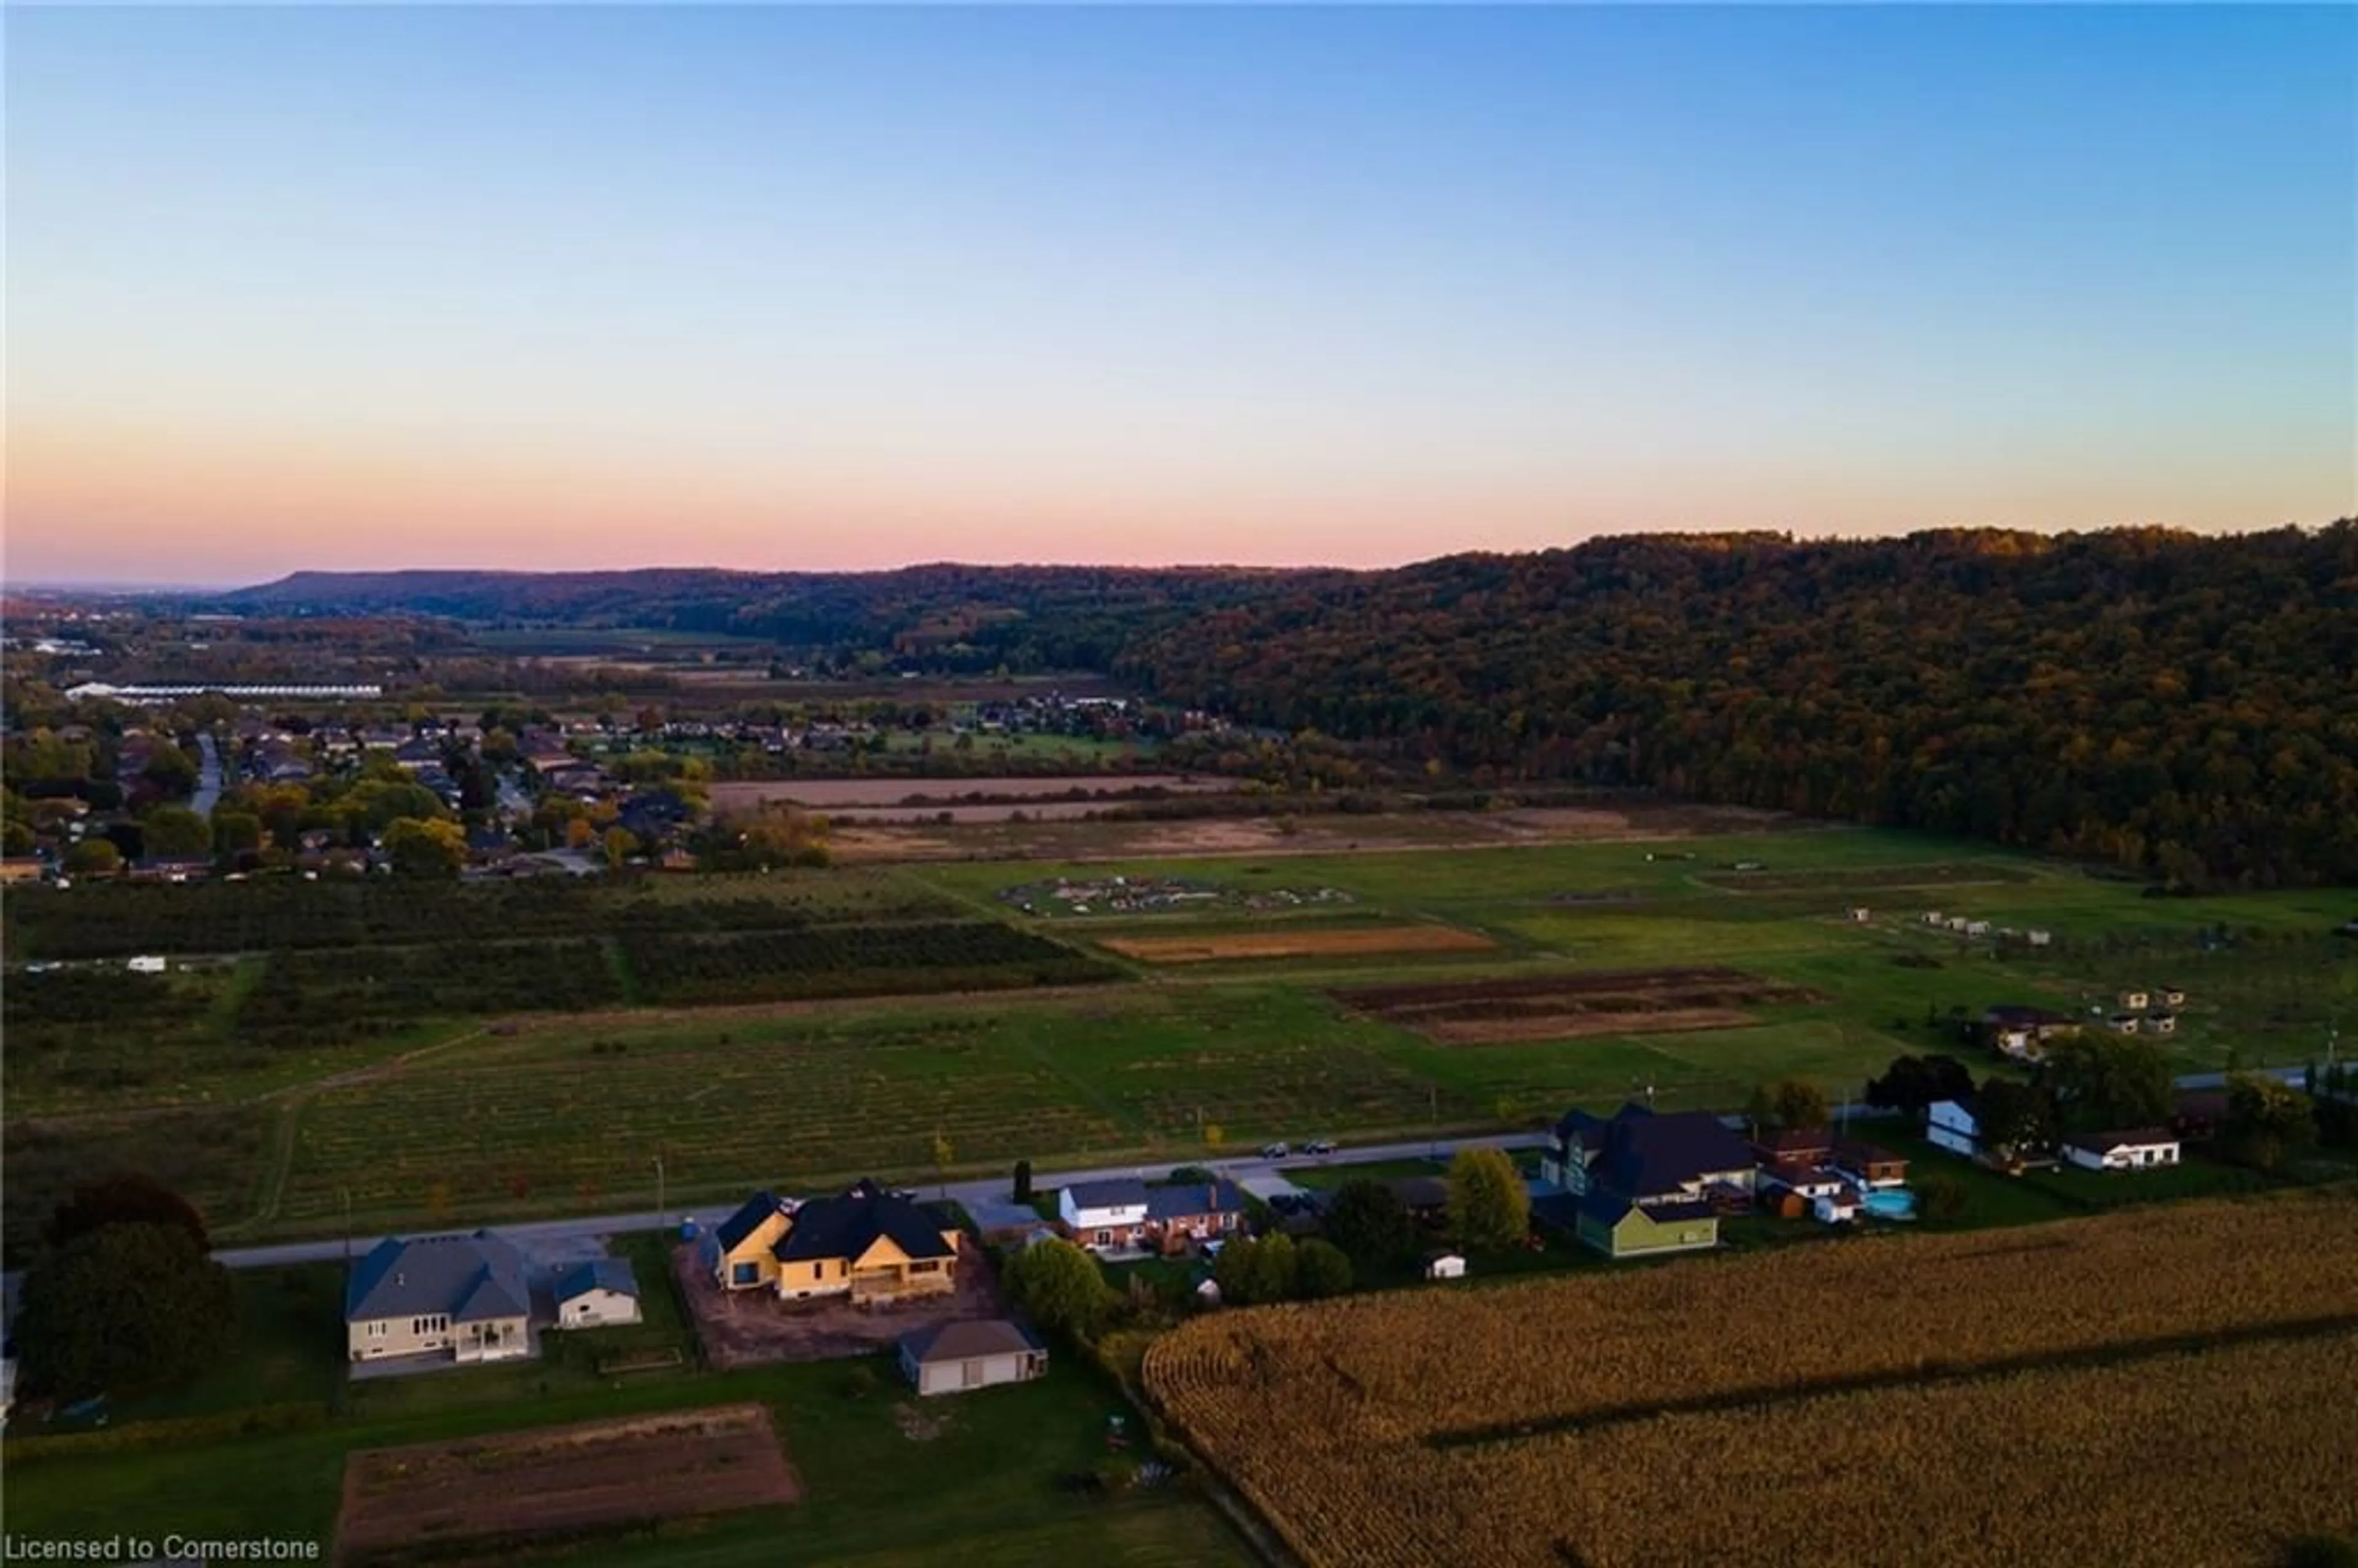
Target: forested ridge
[[2180, 705]]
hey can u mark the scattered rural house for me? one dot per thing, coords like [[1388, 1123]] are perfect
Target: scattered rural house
[[2198, 1113], [1104, 1217], [490, 845], [1445, 1266], [1793, 1189], [20, 868], [1949, 1124], [1839, 1207], [1192, 1212], [951, 1357], [1670, 1157], [1797, 1145], [1869, 1167], [170, 869], [1621, 1227], [596, 1294], [866, 1244], [2022, 1032], [465, 1295], [1425, 1198], [2136, 1002], [2136, 1149], [1642, 1183]]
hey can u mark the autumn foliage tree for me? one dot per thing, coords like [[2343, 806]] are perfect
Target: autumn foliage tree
[[1490, 1205]]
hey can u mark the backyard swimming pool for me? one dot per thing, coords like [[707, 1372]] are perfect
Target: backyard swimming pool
[[1892, 1202]]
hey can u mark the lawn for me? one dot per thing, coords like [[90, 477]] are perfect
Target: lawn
[[887, 1480], [289, 1350]]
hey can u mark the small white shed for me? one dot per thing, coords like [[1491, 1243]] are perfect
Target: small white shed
[[596, 1294], [1445, 1266]]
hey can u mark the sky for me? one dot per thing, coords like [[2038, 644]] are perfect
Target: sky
[[780, 287]]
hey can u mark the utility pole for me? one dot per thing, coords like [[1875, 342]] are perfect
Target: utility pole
[[662, 1220]]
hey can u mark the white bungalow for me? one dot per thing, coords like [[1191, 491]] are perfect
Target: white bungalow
[[2139, 1149]]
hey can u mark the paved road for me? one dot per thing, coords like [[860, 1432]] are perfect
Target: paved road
[[991, 1187], [549, 1230], [209, 776]]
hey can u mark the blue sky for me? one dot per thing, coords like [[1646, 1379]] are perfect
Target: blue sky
[[829, 287]]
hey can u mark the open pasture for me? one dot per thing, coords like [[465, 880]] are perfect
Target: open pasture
[[1978, 1375], [565, 1482]]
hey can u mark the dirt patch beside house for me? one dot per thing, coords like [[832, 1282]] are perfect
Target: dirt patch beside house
[[505, 1492], [1307, 944], [754, 1328]]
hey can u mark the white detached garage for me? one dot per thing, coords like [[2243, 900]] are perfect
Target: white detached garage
[[951, 1357]]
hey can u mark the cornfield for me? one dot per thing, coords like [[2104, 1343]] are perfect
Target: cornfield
[[2171, 1385]]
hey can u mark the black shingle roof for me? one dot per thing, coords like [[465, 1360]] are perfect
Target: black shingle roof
[[848, 1226], [746, 1220]]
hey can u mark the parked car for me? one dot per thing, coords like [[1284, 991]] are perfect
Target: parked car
[[1274, 1151], [1318, 1146]]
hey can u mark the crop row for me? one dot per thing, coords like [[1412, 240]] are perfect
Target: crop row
[[837, 960], [117, 920], [1357, 1424], [323, 998]]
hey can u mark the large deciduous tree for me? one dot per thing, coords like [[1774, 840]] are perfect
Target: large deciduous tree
[[2104, 1081], [123, 1308], [1489, 1203], [1367, 1221], [1912, 1084], [127, 1198], [425, 848], [2267, 1122], [1061, 1287]]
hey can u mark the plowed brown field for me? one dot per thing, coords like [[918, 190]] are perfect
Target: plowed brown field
[[559, 1480]]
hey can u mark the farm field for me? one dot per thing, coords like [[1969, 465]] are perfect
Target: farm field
[[1298, 943], [693, 998], [830, 794], [1484, 1012], [2030, 1396], [563, 1482]]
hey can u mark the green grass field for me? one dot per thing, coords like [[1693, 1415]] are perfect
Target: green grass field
[[973, 1478], [1180, 1061]]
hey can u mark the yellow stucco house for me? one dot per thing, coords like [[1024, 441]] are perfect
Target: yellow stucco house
[[865, 1244]]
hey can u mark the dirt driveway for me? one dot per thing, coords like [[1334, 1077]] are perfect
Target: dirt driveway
[[750, 1328]]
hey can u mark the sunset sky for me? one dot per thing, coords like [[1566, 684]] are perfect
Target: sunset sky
[[783, 287]]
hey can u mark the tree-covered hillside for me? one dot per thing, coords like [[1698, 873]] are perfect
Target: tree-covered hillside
[[2179, 704]]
